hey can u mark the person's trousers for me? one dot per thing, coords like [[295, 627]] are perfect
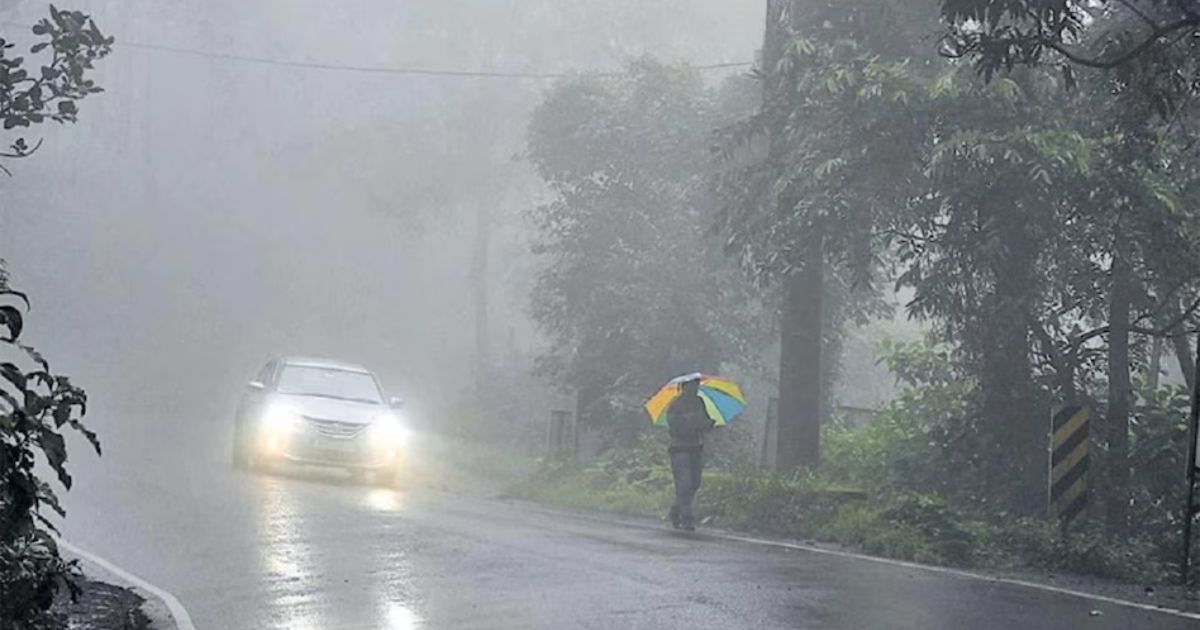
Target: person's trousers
[[687, 468]]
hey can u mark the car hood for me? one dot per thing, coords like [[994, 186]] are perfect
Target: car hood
[[333, 409]]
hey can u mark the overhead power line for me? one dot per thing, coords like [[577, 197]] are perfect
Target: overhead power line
[[410, 71], [435, 72], [388, 70]]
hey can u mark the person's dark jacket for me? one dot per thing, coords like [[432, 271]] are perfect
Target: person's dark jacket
[[688, 421]]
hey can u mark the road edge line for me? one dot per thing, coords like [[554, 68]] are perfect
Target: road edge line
[[179, 614], [959, 573]]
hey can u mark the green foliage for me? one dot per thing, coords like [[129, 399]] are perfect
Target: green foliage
[[922, 440], [1047, 234], [633, 290], [839, 121], [1158, 450], [32, 576], [1009, 208], [73, 43], [933, 489], [762, 503], [634, 481], [36, 407], [1002, 34], [906, 525]]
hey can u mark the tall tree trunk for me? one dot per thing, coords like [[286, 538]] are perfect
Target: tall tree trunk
[[1014, 428], [1120, 394], [798, 438], [798, 430]]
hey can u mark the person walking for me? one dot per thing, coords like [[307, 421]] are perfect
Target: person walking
[[688, 423]]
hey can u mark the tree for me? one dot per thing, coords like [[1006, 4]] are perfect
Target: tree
[[836, 125], [1047, 238], [633, 291], [36, 405]]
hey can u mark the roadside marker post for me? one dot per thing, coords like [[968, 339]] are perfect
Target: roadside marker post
[[1190, 510], [1069, 461]]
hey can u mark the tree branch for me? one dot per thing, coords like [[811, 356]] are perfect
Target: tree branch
[[1176, 322], [1047, 343], [1155, 34], [1166, 299]]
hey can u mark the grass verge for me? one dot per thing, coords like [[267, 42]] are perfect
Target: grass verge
[[907, 526]]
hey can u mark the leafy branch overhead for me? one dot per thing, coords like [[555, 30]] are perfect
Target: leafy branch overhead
[[70, 45], [1006, 33], [1150, 44]]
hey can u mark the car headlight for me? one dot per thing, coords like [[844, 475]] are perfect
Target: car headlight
[[387, 430], [281, 418]]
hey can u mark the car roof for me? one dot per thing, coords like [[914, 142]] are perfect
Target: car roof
[[324, 363]]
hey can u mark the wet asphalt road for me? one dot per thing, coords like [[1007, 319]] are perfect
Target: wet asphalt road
[[316, 551]]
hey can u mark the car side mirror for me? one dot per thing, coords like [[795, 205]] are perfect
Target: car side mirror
[[395, 402], [256, 385]]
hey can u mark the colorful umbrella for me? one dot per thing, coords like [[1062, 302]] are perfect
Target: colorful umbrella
[[722, 398]]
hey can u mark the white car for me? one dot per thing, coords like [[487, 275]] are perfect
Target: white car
[[321, 412]]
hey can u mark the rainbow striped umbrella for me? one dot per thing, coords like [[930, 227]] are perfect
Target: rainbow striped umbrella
[[722, 398]]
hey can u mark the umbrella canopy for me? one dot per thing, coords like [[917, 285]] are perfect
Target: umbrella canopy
[[722, 398]]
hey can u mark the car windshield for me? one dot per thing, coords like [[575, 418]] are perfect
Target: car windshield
[[304, 380]]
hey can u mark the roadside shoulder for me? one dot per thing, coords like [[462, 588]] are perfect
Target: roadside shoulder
[[1167, 599], [161, 609]]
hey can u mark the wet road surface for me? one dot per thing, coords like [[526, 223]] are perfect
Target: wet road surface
[[315, 551]]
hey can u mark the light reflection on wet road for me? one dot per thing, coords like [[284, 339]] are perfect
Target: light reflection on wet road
[[331, 564], [317, 552]]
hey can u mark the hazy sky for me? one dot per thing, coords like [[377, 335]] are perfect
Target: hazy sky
[[207, 213]]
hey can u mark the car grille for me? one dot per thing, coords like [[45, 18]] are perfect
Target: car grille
[[335, 428]]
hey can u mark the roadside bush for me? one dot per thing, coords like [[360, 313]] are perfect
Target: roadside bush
[[570, 485], [914, 443], [932, 520], [32, 575], [36, 406], [761, 503], [1157, 452]]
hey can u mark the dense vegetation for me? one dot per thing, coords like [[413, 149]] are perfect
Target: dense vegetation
[[633, 287], [36, 405], [892, 488], [1045, 223]]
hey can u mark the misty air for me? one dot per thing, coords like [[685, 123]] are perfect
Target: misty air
[[552, 314]]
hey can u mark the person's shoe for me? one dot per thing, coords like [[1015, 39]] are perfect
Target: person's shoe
[[673, 514]]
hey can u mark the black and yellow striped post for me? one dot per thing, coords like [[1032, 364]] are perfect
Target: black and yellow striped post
[[1069, 462]]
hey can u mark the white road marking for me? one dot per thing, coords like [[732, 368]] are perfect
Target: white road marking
[[183, 621], [959, 573]]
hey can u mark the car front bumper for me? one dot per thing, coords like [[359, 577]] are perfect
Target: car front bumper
[[317, 450]]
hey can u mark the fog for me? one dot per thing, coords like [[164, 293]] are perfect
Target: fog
[[910, 286], [207, 213]]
